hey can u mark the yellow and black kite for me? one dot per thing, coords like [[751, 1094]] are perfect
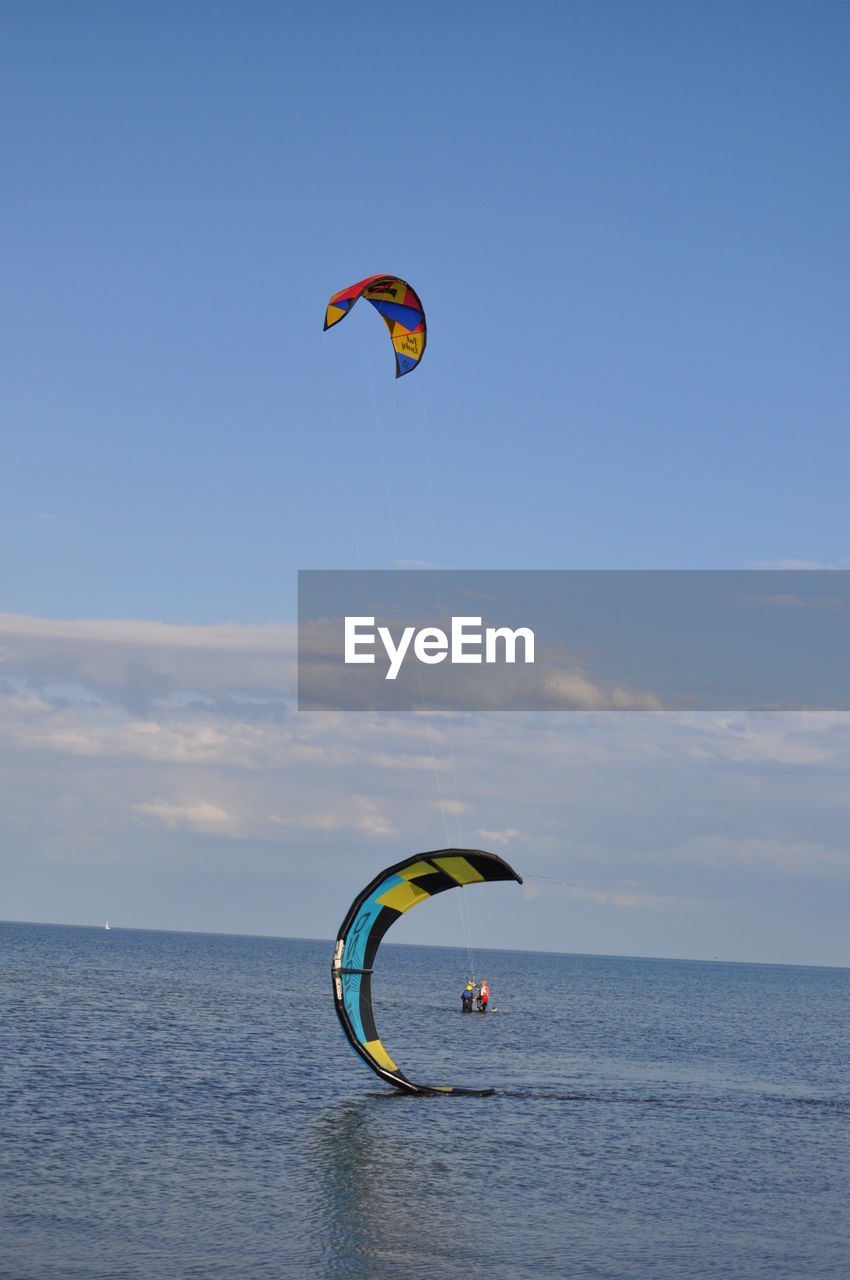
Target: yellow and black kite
[[373, 911]]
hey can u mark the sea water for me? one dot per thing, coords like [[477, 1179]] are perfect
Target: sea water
[[176, 1105]]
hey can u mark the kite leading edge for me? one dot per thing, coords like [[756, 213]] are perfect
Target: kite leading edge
[[373, 911]]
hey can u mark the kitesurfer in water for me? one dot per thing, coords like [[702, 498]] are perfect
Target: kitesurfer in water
[[466, 997], [483, 996]]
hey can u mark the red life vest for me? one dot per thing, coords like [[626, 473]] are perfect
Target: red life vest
[[485, 992]]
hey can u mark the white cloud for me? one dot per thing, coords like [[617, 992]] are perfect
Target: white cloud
[[370, 818], [641, 810], [308, 821], [452, 808], [793, 738], [361, 814], [770, 854], [143, 660], [200, 816], [629, 897], [502, 838], [573, 691]]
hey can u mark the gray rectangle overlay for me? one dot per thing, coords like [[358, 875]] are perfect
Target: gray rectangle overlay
[[664, 640]]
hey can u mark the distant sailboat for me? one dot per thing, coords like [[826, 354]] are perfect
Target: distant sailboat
[[106, 926]]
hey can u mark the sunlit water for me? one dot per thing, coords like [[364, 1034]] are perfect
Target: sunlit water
[[176, 1105]]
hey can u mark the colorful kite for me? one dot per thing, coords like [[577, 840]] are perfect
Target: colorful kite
[[401, 309], [369, 917]]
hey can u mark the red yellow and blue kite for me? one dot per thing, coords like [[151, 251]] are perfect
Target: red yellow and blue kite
[[402, 311]]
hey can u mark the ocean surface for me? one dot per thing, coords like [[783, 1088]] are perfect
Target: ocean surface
[[176, 1105]]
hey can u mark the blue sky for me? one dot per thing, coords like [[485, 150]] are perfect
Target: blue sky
[[628, 226]]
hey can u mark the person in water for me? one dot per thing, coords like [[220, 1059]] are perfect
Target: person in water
[[483, 996], [466, 997]]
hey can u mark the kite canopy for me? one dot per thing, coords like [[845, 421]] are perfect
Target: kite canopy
[[401, 309], [373, 911]]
